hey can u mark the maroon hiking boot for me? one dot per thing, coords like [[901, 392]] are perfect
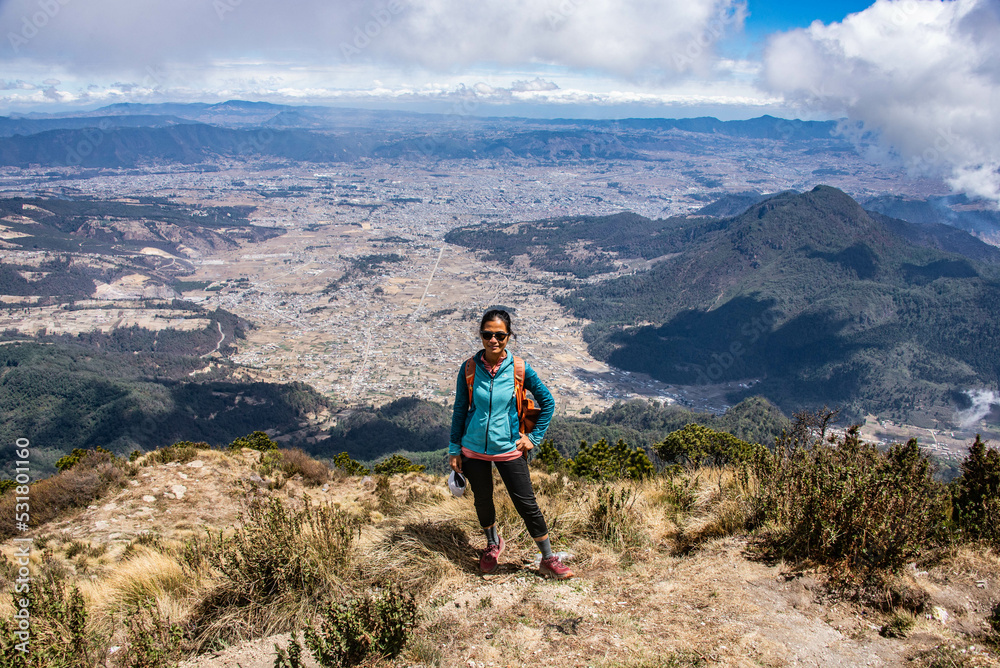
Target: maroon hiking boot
[[553, 568], [491, 557]]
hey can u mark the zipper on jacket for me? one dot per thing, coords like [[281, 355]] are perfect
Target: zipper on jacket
[[489, 416]]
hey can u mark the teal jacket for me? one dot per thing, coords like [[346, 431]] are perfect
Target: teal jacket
[[490, 424]]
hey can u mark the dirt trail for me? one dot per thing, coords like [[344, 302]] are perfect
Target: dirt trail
[[715, 607]]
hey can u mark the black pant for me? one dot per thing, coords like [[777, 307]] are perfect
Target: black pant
[[516, 479]]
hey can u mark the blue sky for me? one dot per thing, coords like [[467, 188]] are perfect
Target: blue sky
[[770, 16]]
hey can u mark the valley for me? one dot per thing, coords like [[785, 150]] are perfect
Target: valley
[[345, 273]]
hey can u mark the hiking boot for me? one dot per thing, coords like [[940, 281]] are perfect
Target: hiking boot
[[491, 557], [553, 568]]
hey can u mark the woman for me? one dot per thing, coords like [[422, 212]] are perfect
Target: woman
[[487, 433]]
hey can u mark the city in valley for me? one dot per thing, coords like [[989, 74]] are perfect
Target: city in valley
[[361, 297]]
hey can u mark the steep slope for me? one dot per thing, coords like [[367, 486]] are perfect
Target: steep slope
[[819, 300]]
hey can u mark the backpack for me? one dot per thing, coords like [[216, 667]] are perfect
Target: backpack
[[527, 412]]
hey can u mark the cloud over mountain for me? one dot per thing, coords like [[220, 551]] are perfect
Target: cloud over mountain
[[923, 76], [626, 37]]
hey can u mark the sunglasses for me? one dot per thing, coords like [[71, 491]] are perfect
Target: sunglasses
[[489, 335]]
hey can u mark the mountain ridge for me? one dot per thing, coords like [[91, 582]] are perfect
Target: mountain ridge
[[815, 299]]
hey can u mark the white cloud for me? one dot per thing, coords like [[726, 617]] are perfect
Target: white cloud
[[981, 403], [537, 85], [630, 38], [921, 76]]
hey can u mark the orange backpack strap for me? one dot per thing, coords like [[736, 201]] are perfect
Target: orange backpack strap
[[470, 375], [519, 385], [527, 412]]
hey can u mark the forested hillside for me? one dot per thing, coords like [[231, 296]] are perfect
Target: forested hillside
[[63, 395], [821, 301]]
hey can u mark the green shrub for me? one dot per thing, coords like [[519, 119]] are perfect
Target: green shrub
[[976, 495], [6, 484], [696, 446], [606, 462], [255, 441], [842, 502], [67, 462], [290, 657], [549, 459], [182, 451], [60, 636], [397, 464], [344, 462], [363, 627], [612, 519], [151, 642]]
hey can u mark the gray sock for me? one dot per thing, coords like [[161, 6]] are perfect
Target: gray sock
[[491, 535], [546, 548]]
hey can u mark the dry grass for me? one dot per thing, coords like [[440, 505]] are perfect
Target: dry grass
[[91, 477], [718, 506], [298, 462], [146, 575], [673, 588], [182, 452]]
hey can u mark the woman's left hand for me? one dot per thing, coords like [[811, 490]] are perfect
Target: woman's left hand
[[524, 443]]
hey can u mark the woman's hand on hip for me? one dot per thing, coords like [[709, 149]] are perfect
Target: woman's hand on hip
[[524, 443], [456, 462]]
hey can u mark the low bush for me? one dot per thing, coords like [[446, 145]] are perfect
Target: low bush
[[94, 474], [678, 490], [277, 564], [151, 641], [298, 462], [361, 628], [61, 636], [255, 441], [612, 518], [842, 502], [397, 464], [290, 657], [182, 451], [291, 463], [277, 550], [696, 446], [66, 462], [344, 462], [601, 461]]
